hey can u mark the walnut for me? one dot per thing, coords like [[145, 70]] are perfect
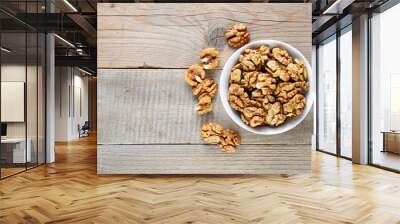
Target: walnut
[[253, 121], [281, 55], [238, 98], [295, 106], [194, 75], [206, 86], [274, 116], [236, 102], [211, 132], [209, 58], [254, 59], [236, 90], [285, 91], [253, 116], [303, 69], [229, 141], [264, 80], [282, 74], [204, 105], [248, 65], [273, 65], [266, 87], [214, 133], [249, 79], [264, 51], [297, 71], [236, 76], [237, 35]]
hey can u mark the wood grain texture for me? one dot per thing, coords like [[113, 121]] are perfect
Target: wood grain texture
[[70, 191], [145, 109], [171, 35], [203, 159], [155, 106]]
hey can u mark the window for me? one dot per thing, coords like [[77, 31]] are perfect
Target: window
[[22, 77], [346, 92], [385, 89], [327, 96], [334, 106]]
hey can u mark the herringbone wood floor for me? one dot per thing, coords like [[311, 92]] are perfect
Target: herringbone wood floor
[[69, 191]]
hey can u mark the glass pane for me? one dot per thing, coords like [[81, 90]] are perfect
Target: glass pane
[[13, 89], [41, 98], [31, 100], [346, 94], [385, 84], [327, 96]]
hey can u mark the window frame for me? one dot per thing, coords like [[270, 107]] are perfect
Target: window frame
[[335, 36]]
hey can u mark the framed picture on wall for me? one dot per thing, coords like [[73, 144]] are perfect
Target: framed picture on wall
[[12, 101]]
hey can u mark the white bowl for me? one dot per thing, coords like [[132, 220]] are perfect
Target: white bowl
[[235, 115]]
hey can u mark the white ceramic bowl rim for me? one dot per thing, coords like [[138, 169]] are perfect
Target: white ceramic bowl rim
[[235, 116]]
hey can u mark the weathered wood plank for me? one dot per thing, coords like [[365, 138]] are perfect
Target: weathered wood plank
[[145, 116], [152, 106], [171, 35], [203, 159]]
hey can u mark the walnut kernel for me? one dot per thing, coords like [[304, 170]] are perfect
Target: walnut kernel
[[211, 132], [204, 105], [229, 141], [209, 58], [214, 133], [194, 75], [237, 35], [207, 86], [281, 55]]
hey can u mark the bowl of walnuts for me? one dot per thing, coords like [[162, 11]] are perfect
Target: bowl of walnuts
[[266, 87]]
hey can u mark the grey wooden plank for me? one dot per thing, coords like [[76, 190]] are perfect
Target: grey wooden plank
[[203, 159], [150, 106], [171, 35]]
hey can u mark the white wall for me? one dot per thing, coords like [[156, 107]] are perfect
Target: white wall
[[79, 117], [33, 126], [16, 73], [69, 82], [62, 82]]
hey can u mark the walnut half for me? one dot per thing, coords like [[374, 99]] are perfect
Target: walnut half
[[237, 35], [205, 91], [229, 141], [214, 133], [211, 132], [209, 58], [194, 75]]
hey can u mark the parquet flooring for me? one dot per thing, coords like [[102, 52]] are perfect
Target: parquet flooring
[[70, 191]]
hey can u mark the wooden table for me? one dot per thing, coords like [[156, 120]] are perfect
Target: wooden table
[[146, 122]]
